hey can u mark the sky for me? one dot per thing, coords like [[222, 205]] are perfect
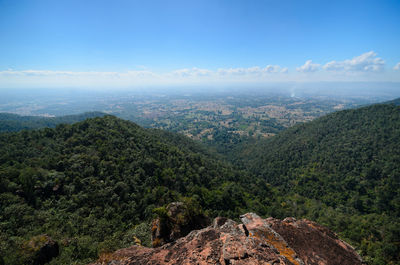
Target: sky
[[75, 43]]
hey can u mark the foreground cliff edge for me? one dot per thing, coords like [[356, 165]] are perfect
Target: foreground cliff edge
[[254, 241]]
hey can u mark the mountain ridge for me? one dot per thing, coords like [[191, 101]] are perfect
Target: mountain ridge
[[10, 122], [346, 165], [96, 184]]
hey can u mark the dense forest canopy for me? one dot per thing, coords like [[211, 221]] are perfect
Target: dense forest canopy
[[346, 152], [348, 161], [93, 186], [10, 122]]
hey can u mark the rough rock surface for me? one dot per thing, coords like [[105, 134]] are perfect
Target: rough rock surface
[[255, 241], [313, 243], [177, 223]]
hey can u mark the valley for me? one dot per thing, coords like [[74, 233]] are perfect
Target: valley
[[95, 185], [209, 117]]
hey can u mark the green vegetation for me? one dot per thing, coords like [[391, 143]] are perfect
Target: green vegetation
[[341, 170], [13, 123], [94, 186]]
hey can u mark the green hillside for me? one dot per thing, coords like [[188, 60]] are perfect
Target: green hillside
[[93, 185], [10, 122], [341, 170]]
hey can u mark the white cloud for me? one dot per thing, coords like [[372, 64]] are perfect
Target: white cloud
[[179, 73], [308, 67], [49, 78], [193, 72], [271, 69], [137, 78], [236, 71], [71, 74], [255, 70], [364, 68], [366, 62]]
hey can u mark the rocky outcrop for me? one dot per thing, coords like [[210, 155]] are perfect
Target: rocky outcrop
[[254, 241], [40, 249], [313, 243], [177, 221]]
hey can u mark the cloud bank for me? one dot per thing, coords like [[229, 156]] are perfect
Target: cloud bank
[[308, 67], [365, 67], [367, 62]]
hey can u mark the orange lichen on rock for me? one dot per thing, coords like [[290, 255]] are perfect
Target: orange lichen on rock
[[156, 242], [258, 228], [254, 242], [280, 245], [314, 243], [154, 225], [105, 258]]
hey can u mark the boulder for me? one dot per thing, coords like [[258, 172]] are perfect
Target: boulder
[[314, 243], [177, 221], [254, 241]]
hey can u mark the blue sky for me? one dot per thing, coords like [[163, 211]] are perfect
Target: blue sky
[[136, 42]]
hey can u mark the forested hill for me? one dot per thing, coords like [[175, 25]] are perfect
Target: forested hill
[[348, 161], [10, 122], [346, 142], [93, 185], [394, 102]]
